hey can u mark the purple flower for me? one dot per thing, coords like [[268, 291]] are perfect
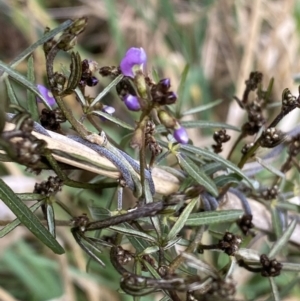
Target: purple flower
[[181, 135], [109, 110], [132, 102], [47, 95], [133, 60]]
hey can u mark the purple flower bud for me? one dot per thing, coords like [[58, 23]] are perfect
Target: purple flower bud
[[181, 135], [164, 84], [132, 102], [109, 110], [92, 81], [47, 95], [170, 98], [133, 60]]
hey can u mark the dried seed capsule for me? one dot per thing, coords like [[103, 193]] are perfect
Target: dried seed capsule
[[271, 137]]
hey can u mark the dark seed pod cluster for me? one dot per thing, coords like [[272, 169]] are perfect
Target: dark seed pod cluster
[[245, 223], [161, 93], [49, 187], [150, 141], [270, 268], [220, 137], [230, 243], [51, 119], [270, 193], [87, 78], [271, 137]]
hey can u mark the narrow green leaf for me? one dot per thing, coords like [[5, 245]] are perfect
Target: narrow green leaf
[[23, 81], [211, 217], [210, 155], [151, 269], [227, 179], [15, 223], [30, 196], [201, 124], [10, 92], [80, 96], [31, 98], [276, 222], [286, 289], [114, 120], [270, 168], [51, 219], [46, 37], [180, 222], [180, 91], [291, 266], [133, 232], [200, 265], [283, 240], [197, 174], [274, 288], [202, 107], [150, 250], [28, 218], [107, 89], [154, 219]]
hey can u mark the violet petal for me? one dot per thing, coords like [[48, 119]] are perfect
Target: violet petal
[[133, 57], [47, 95], [132, 102]]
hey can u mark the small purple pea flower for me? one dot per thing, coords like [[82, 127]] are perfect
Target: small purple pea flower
[[132, 102], [47, 95], [133, 60], [109, 110], [181, 135]]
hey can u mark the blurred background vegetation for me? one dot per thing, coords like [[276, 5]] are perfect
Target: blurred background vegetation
[[222, 41]]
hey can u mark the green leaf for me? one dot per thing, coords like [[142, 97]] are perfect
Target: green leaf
[[30, 196], [283, 240], [227, 179], [180, 222], [202, 124], [271, 168], [211, 217], [28, 218], [51, 219], [210, 155], [31, 99], [15, 223], [11, 93], [291, 266], [133, 232], [23, 81], [107, 89], [197, 174], [274, 288], [202, 107], [276, 222], [49, 35], [180, 91], [114, 120], [80, 96]]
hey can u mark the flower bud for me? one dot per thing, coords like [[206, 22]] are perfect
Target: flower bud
[[132, 102], [92, 81], [167, 120], [181, 135], [164, 85]]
